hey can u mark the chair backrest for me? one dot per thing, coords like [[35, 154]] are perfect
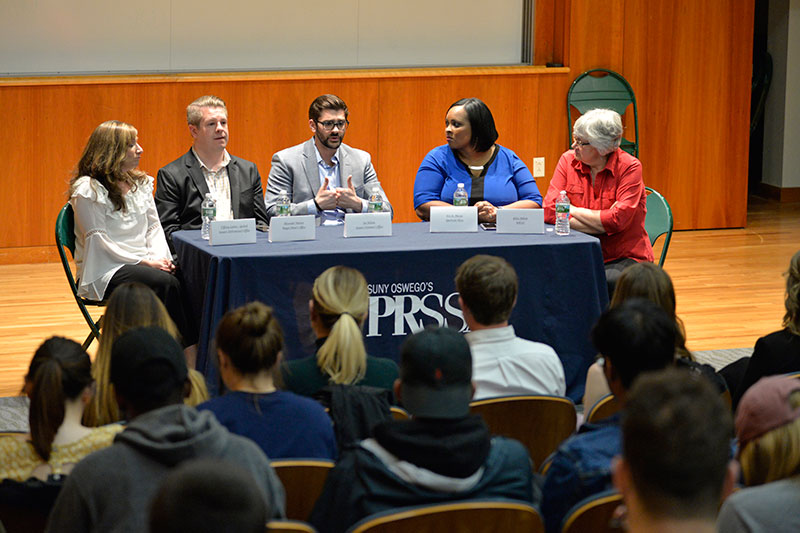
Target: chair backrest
[[541, 423], [594, 514], [458, 517], [398, 413], [603, 408], [658, 221], [25, 505], [602, 88], [289, 526], [65, 229], [303, 480]]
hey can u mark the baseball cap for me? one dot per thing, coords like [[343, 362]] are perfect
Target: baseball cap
[[147, 362], [765, 406], [436, 374]]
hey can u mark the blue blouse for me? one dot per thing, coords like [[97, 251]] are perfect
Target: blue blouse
[[506, 181]]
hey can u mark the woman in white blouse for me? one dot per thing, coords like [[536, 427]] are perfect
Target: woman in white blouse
[[118, 236]]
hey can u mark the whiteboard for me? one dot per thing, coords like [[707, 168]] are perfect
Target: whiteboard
[[51, 37]]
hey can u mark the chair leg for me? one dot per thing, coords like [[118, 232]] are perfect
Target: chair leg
[[94, 333]]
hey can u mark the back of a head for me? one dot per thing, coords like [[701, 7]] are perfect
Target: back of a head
[[436, 374], [768, 429], [791, 319], [209, 495], [341, 300], [676, 441], [648, 281], [251, 337], [59, 371], [636, 336], [131, 305], [488, 286], [148, 368]]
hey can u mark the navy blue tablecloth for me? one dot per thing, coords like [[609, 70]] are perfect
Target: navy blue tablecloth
[[410, 276]]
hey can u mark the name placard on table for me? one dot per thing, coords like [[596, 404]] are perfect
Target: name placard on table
[[520, 221], [451, 219], [367, 225], [239, 231], [287, 229]]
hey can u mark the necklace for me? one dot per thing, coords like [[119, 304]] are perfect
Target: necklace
[[475, 167]]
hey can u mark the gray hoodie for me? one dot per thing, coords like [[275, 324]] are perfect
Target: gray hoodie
[[111, 489]]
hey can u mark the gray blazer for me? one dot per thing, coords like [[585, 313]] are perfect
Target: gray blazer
[[295, 169]]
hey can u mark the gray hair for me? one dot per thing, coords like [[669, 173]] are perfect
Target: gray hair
[[602, 128]]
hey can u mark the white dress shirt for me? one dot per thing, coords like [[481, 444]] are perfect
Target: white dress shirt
[[504, 364]]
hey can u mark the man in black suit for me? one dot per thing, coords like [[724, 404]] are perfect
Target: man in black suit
[[207, 167]]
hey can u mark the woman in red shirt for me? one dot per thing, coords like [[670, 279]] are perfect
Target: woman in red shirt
[[606, 192]]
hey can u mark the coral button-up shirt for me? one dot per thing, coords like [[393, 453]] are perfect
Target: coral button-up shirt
[[618, 193]]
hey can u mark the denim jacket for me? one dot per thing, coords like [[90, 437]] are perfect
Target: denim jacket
[[581, 467]]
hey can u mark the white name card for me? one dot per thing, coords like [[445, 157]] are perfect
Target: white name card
[[239, 231], [286, 229], [520, 221], [367, 224], [446, 219]]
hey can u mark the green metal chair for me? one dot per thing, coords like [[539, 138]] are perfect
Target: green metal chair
[[658, 221], [602, 88], [65, 239]]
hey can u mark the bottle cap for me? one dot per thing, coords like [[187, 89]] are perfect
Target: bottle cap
[[460, 184], [563, 192], [283, 191]]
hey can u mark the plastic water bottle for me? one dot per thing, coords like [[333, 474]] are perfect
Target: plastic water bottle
[[375, 201], [209, 212], [283, 204], [562, 214], [460, 197]]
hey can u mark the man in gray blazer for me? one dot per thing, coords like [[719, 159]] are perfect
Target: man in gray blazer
[[234, 183], [324, 176]]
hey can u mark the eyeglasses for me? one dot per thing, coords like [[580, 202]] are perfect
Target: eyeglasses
[[578, 142], [328, 125]]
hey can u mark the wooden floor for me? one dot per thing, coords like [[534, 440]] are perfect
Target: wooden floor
[[729, 287]]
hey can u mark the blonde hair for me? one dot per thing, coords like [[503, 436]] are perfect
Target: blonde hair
[[194, 111], [791, 320], [774, 455], [341, 300], [131, 305], [103, 157]]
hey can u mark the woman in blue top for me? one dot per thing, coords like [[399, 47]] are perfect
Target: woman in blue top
[[249, 343], [493, 175]]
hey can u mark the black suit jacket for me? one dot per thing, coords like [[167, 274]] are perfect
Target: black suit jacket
[[181, 189]]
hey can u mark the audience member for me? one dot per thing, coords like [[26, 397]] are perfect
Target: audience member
[[131, 306], [675, 465], [249, 342], [208, 168], [323, 176], [651, 282], [502, 363], [633, 338], [338, 309], [778, 352], [118, 237], [768, 429], [442, 454], [111, 489], [59, 384], [209, 496]]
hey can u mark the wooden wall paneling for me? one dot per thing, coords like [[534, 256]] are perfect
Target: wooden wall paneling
[[552, 124], [544, 31], [689, 64], [596, 35]]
